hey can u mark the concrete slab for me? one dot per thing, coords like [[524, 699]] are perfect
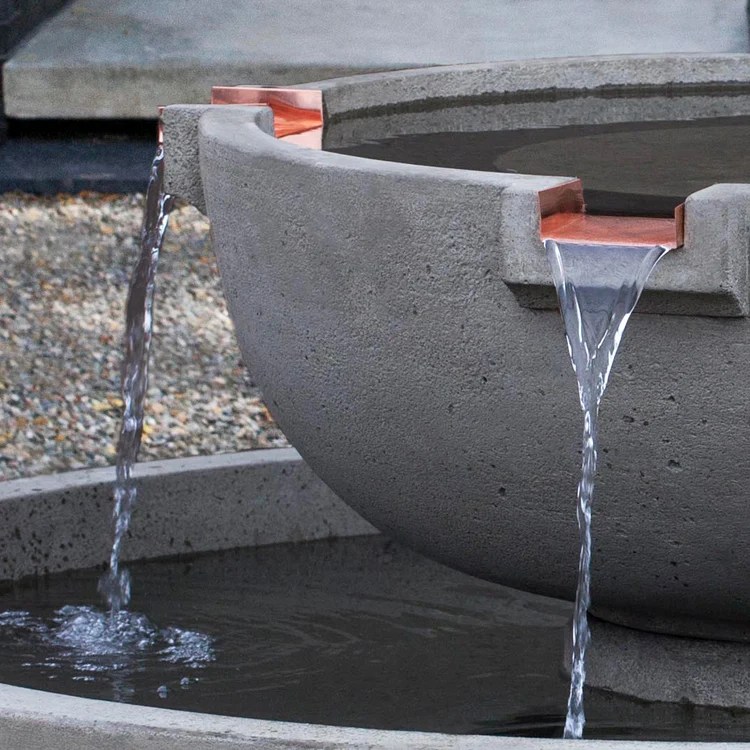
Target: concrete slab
[[104, 59]]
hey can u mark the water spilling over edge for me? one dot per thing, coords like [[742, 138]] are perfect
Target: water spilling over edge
[[598, 287], [115, 583], [113, 642]]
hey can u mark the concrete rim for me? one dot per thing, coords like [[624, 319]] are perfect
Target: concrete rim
[[349, 96], [64, 722]]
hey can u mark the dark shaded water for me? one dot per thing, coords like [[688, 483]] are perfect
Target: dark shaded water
[[641, 168], [357, 632]]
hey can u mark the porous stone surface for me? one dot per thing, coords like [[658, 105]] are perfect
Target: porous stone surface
[[180, 133], [35, 719], [67, 262], [188, 505], [102, 59], [369, 295], [655, 667]]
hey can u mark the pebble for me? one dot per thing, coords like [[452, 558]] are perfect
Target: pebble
[[62, 298]]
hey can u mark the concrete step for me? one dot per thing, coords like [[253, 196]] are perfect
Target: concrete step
[[121, 58]]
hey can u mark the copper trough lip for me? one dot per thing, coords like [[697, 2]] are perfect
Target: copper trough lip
[[563, 218], [297, 113], [610, 230]]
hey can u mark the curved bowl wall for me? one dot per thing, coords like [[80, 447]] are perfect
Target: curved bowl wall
[[372, 303]]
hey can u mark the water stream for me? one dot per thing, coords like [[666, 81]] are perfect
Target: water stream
[[115, 643], [115, 583], [598, 287]]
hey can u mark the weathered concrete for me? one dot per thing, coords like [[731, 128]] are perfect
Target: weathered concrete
[[180, 132], [104, 59], [63, 521], [654, 667], [32, 719], [370, 298]]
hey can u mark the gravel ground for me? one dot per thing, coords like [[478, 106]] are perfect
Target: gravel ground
[[66, 263]]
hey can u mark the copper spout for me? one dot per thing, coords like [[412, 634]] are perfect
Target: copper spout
[[564, 218], [297, 113], [610, 230], [565, 198]]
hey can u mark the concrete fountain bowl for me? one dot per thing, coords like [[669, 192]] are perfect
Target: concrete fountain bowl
[[402, 323]]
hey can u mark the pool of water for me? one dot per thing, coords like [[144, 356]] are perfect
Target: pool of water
[[355, 632], [631, 168]]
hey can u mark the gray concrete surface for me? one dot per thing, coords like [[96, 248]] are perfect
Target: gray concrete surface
[[99, 58], [32, 720], [63, 521], [364, 290], [656, 667]]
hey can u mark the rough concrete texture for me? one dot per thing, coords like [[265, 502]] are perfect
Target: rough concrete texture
[[659, 75], [104, 59], [666, 668], [364, 291], [714, 283], [180, 133], [34, 719], [63, 521], [708, 276]]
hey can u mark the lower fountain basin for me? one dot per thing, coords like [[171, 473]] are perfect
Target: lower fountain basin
[[271, 498], [401, 322]]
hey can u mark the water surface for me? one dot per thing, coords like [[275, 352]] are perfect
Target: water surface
[[630, 168], [357, 632]]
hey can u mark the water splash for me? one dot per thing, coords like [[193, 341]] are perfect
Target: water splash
[[101, 645], [115, 583], [598, 286]]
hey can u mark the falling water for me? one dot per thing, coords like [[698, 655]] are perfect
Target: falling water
[[598, 287], [115, 583], [113, 645]]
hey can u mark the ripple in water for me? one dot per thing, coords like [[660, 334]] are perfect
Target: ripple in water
[[354, 632]]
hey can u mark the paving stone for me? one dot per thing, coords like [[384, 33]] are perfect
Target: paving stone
[[104, 59]]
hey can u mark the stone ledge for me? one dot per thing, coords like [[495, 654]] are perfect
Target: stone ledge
[[706, 277], [184, 506]]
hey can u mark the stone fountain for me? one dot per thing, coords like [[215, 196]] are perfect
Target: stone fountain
[[401, 322]]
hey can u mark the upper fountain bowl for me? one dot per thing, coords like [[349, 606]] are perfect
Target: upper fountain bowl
[[401, 321]]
